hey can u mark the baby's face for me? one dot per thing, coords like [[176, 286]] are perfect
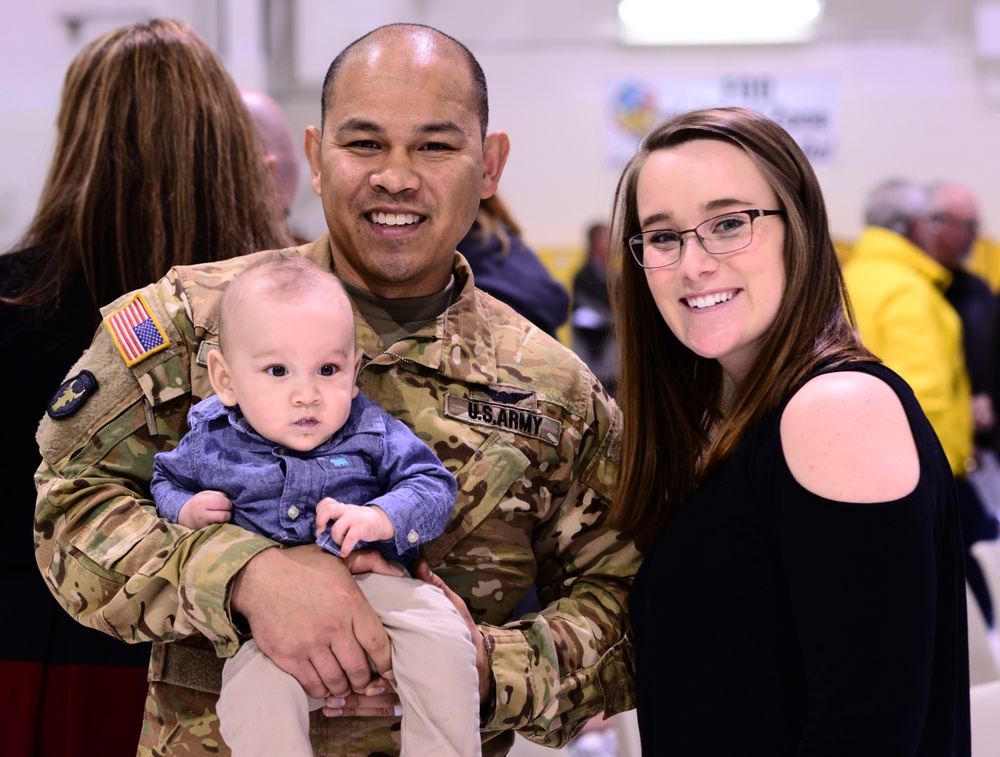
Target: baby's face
[[294, 366]]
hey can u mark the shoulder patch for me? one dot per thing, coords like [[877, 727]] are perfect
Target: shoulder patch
[[136, 332], [71, 395], [519, 420]]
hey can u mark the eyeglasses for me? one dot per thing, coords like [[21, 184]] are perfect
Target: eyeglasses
[[969, 225], [718, 235]]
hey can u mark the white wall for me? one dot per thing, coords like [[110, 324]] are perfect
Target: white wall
[[905, 108], [913, 100]]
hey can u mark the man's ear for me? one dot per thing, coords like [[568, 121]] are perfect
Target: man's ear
[[495, 153], [358, 354], [313, 147], [221, 378]]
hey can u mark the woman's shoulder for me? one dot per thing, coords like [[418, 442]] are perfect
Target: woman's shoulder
[[846, 436]]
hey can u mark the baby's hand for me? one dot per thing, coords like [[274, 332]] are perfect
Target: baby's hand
[[353, 523], [205, 509]]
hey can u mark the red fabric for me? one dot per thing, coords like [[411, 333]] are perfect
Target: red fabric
[[70, 710]]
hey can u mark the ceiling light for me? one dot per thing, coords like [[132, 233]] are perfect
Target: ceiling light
[[718, 22]]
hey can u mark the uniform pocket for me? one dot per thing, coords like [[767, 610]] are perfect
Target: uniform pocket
[[482, 483]]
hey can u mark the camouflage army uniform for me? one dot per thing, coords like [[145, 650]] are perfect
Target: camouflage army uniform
[[528, 432]]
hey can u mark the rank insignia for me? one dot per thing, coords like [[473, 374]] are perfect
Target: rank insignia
[[71, 395], [136, 331]]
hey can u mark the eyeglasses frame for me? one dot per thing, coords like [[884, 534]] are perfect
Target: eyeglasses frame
[[753, 213]]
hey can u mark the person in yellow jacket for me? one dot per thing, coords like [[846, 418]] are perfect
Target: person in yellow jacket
[[897, 291]]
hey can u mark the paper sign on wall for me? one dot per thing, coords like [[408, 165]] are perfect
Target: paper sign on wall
[[804, 105]]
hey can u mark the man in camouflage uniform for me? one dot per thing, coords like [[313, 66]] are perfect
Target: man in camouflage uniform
[[401, 164]]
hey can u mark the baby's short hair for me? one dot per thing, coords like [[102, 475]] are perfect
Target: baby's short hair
[[279, 272]]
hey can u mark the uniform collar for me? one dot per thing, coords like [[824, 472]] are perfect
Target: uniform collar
[[458, 344]]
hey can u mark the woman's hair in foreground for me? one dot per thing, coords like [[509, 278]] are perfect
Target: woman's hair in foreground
[[157, 163], [284, 273], [672, 398]]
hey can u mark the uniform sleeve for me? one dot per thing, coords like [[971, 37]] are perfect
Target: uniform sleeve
[[574, 660], [102, 550], [175, 477]]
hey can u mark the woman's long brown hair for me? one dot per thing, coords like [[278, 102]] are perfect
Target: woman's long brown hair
[[676, 427], [157, 163]]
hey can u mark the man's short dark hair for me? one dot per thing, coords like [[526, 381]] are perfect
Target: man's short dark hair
[[475, 71]]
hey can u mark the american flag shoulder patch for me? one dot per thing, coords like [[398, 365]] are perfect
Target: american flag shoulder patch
[[135, 330]]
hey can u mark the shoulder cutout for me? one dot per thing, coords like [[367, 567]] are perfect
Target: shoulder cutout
[[846, 438]]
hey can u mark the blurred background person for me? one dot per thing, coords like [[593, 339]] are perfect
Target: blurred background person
[[156, 163], [897, 288], [951, 229], [281, 152], [592, 335], [505, 267]]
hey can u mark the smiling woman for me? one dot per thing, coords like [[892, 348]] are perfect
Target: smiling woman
[[718, 305], [761, 438]]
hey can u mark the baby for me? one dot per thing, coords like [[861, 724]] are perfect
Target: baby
[[291, 449]]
